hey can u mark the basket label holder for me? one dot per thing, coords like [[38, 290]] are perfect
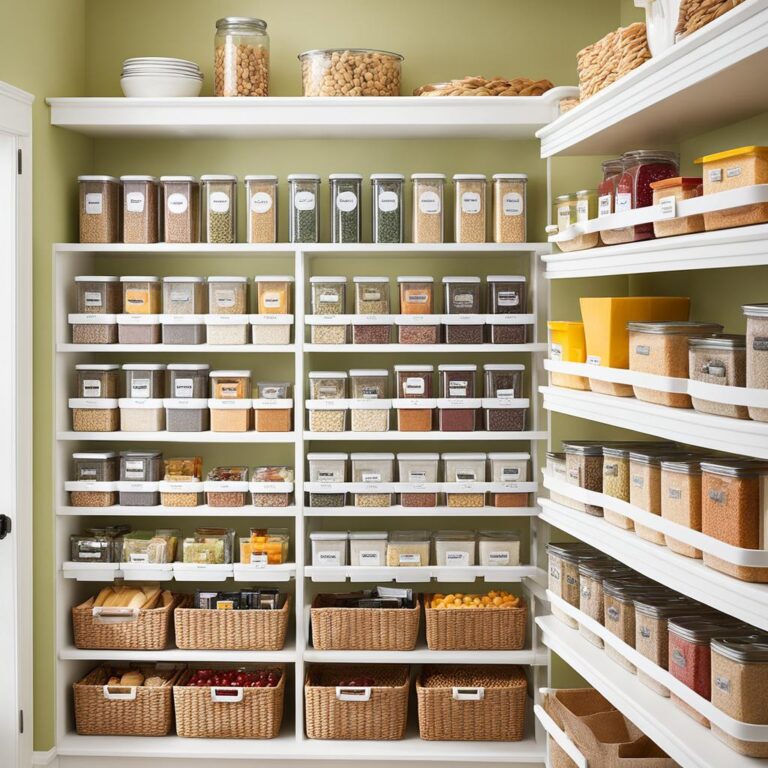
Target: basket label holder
[[227, 695], [111, 694], [353, 693], [468, 694]]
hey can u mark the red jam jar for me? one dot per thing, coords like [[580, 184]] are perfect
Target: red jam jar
[[633, 190], [606, 190]]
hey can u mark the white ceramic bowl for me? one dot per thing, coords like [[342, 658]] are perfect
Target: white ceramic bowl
[[163, 86]]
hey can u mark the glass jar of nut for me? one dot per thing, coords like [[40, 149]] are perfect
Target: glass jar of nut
[[241, 57]]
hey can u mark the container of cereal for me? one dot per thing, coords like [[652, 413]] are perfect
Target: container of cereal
[[510, 209], [416, 295], [181, 209], [141, 295], [720, 359], [140, 209], [368, 548], [417, 472], [329, 469], [304, 208], [387, 203], [757, 353], [498, 548], [681, 499], [99, 209], [408, 549], [99, 294], [261, 208], [584, 469], [372, 470], [455, 548], [219, 208], [346, 207], [678, 188], [567, 344], [463, 472], [509, 469], [428, 207], [329, 548], [470, 207]]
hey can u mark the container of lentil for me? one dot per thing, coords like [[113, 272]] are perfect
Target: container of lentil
[[681, 500], [720, 359], [506, 298], [504, 406], [330, 469], [140, 471], [369, 404], [735, 510], [662, 349], [273, 407], [463, 471], [463, 329], [591, 601], [94, 415], [457, 407], [584, 469], [372, 329], [416, 295], [371, 470], [97, 380], [261, 205], [141, 295], [418, 329], [346, 207], [273, 294], [329, 296], [678, 188], [387, 204], [510, 209], [99, 294], [567, 344], [470, 207], [181, 209], [304, 208], [99, 209], [428, 194], [757, 353], [227, 486], [140, 209], [509, 469], [417, 471], [408, 549], [462, 295]]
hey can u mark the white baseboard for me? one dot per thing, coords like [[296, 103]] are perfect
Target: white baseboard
[[48, 759]]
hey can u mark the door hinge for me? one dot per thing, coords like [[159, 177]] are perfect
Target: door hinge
[[18, 162], [21, 721]]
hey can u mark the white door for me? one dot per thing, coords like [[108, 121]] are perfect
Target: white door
[[15, 431]]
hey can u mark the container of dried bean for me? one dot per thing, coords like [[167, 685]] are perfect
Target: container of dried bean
[[681, 500], [416, 295], [261, 206], [230, 385], [458, 414], [428, 194], [675, 189], [414, 381], [735, 510], [408, 549], [140, 209], [372, 329], [219, 192], [330, 469], [369, 406], [510, 209], [470, 207], [181, 209], [94, 415], [371, 295], [99, 294], [328, 329], [387, 204], [463, 471], [230, 415], [271, 329], [183, 329], [145, 415], [99, 209], [504, 406], [227, 487], [271, 486], [584, 469], [509, 469], [662, 349], [418, 329], [241, 57], [719, 359], [273, 294], [414, 414], [346, 207], [372, 470], [141, 295], [97, 380], [464, 329], [567, 344], [350, 72], [329, 295], [328, 385], [227, 295], [591, 602], [304, 208], [327, 415], [91, 493], [757, 353], [416, 472]]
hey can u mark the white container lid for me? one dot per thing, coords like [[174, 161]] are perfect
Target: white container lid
[[387, 177], [188, 367], [185, 403], [372, 456], [304, 177], [150, 403], [329, 536], [97, 367], [327, 375], [96, 279], [457, 367], [227, 279], [218, 177], [510, 176], [428, 176], [139, 279], [190, 279], [228, 374], [459, 279], [509, 456], [334, 279], [260, 177], [464, 456], [327, 456], [422, 368], [369, 372], [182, 319], [139, 178], [505, 278], [104, 455], [178, 178], [504, 367], [138, 319], [364, 279], [415, 279], [226, 319], [368, 535], [469, 177], [418, 456], [98, 178], [342, 176], [144, 366], [274, 279], [101, 404]]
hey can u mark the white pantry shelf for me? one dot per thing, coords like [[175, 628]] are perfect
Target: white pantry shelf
[[294, 117], [422, 655], [249, 349], [474, 437], [202, 510], [188, 572], [400, 511], [287, 654], [180, 437], [675, 95], [467, 349], [423, 574]]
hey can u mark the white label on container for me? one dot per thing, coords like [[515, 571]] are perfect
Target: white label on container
[[508, 298], [92, 298], [563, 217], [328, 558], [716, 174], [675, 493], [733, 172], [271, 300], [604, 205], [463, 300], [370, 477], [139, 557], [259, 559], [139, 388], [471, 202], [229, 390], [429, 202], [369, 556], [261, 202], [329, 298], [271, 393], [88, 555], [638, 481], [642, 349], [326, 476], [623, 201], [510, 474], [183, 388], [134, 469], [219, 202], [371, 294], [304, 201], [370, 393], [416, 298], [512, 204], [88, 472], [180, 296], [668, 207], [177, 203], [417, 476], [582, 211], [555, 351], [464, 475], [388, 202], [723, 684], [410, 559], [224, 298], [593, 359], [610, 470], [457, 558], [134, 202], [414, 385], [505, 394], [93, 202], [91, 388], [346, 201], [719, 497], [498, 557], [457, 388]]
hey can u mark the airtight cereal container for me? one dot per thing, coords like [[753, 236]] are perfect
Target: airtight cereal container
[[509, 468], [371, 295], [144, 380], [329, 295], [140, 209], [183, 329], [428, 207], [187, 380], [346, 207], [564, 560], [99, 209], [187, 415], [679, 188], [94, 414], [327, 385], [470, 207], [372, 469], [330, 469], [462, 471], [97, 380], [141, 295], [227, 295], [584, 469], [219, 193], [387, 202], [757, 353], [99, 295], [681, 499], [735, 510], [720, 359], [416, 295], [733, 169], [510, 209], [184, 296], [329, 548], [368, 548], [261, 208], [567, 344], [304, 208], [498, 548], [273, 407], [273, 294], [408, 549], [506, 297], [138, 329], [662, 349], [417, 471], [93, 329], [181, 209], [455, 548]]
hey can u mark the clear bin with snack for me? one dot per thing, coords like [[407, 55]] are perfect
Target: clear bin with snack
[[271, 486], [265, 546]]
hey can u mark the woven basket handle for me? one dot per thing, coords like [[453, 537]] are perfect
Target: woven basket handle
[[220, 694], [115, 615], [468, 694], [353, 693], [111, 692]]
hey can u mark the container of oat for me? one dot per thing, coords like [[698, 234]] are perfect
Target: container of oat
[[219, 192], [99, 209], [329, 548], [181, 209], [140, 472], [273, 407], [387, 203], [584, 469], [470, 207], [371, 295], [418, 329], [142, 295], [144, 415], [144, 380], [368, 548], [428, 207], [97, 380], [273, 294], [509, 469], [510, 209], [462, 473], [271, 486], [463, 329], [304, 208], [94, 414], [567, 344], [227, 487], [230, 415], [662, 349], [416, 295], [271, 329], [372, 470], [719, 359], [676, 189], [735, 510], [408, 549], [346, 207], [99, 294], [757, 353], [417, 471], [455, 548], [140, 209], [329, 469], [372, 329], [591, 602], [227, 295], [369, 405], [498, 548], [261, 208], [732, 169], [329, 295], [681, 500], [184, 296]]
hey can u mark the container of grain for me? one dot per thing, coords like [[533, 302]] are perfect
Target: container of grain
[[181, 209], [271, 486], [273, 294], [504, 407], [330, 469], [94, 415], [506, 298], [329, 548], [455, 548], [720, 359], [304, 208], [470, 207], [346, 207], [183, 329], [187, 380], [575, 208], [408, 549], [733, 169], [584, 469], [567, 344], [509, 469], [140, 472], [140, 209], [417, 471], [142, 415], [97, 380], [662, 349], [414, 402], [418, 329], [350, 72], [187, 414], [273, 407], [328, 329], [616, 482], [271, 329], [368, 548], [261, 208], [757, 353], [184, 296], [681, 500], [327, 406], [387, 205], [510, 209], [142, 294], [372, 470], [428, 207], [556, 469], [99, 294], [678, 188], [591, 602], [226, 486], [371, 295], [461, 295], [99, 209], [416, 295], [229, 415], [463, 472], [227, 295], [219, 192], [329, 295], [138, 329], [370, 403], [735, 510]]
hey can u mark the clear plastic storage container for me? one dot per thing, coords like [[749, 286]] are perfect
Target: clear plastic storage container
[[428, 207], [574, 208], [273, 407], [138, 329], [455, 548], [416, 295], [219, 208], [273, 294], [230, 385], [506, 295], [418, 329], [97, 380], [504, 385], [757, 353], [140, 209], [304, 208], [470, 207], [142, 415], [329, 468], [373, 469], [183, 329], [408, 549], [418, 469], [679, 188], [227, 295], [181, 209], [584, 469], [329, 296], [368, 548], [370, 390], [184, 296], [371, 295], [142, 295], [346, 207], [261, 208], [457, 380], [140, 472], [99, 295], [329, 548], [498, 548], [99, 209], [720, 359], [350, 72], [509, 468], [387, 204], [681, 500], [464, 469], [144, 380], [462, 295], [96, 467], [510, 209]]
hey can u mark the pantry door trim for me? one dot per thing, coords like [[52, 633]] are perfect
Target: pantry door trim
[[16, 358]]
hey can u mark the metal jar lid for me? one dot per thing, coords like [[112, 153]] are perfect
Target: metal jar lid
[[245, 23], [752, 649], [686, 327], [719, 341]]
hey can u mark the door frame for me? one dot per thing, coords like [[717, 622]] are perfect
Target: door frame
[[16, 121]]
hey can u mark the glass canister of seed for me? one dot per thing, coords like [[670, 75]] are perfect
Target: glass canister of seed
[[428, 194], [387, 205], [510, 209], [140, 209], [304, 208], [346, 209], [181, 209], [261, 207], [99, 209], [470, 209], [241, 57], [219, 208]]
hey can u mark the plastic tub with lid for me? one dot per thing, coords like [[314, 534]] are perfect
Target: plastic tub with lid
[[328, 295], [506, 295], [462, 471], [181, 209], [504, 409], [273, 294], [681, 499], [373, 469], [408, 549], [219, 219], [470, 210], [387, 201], [184, 296], [455, 548], [140, 209], [428, 207], [97, 380], [510, 209], [142, 294], [416, 295], [227, 295], [328, 468], [368, 548], [498, 548], [329, 548]]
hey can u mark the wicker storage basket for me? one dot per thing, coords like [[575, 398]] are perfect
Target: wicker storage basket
[[471, 703], [695, 14], [379, 712], [122, 711], [476, 629], [363, 629], [247, 630], [123, 628], [253, 713]]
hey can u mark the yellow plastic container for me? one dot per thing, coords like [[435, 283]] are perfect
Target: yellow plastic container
[[735, 168], [605, 330], [566, 343]]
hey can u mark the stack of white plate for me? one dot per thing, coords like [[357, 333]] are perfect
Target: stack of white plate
[[157, 76]]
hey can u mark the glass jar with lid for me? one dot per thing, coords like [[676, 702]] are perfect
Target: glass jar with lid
[[346, 209], [428, 194], [181, 209], [140, 209], [470, 209], [387, 203], [219, 208], [606, 190], [510, 209], [304, 208], [575, 208], [241, 57], [261, 206]]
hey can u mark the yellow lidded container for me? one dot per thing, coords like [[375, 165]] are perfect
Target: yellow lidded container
[[735, 168], [567, 344]]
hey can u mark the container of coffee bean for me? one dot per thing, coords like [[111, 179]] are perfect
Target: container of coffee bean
[[304, 208], [470, 207], [219, 208], [346, 208], [261, 208], [387, 202], [99, 209], [181, 209]]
